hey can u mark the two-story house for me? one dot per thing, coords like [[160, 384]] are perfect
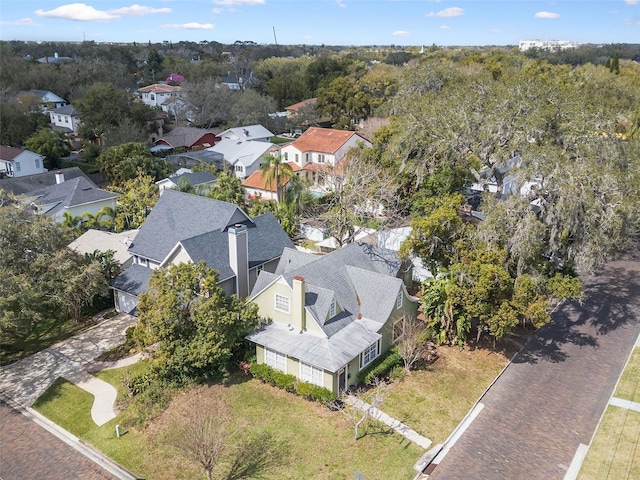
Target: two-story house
[[155, 95], [18, 162], [189, 228], [328, 317], [319, 152], [46, 100], [65, 119]]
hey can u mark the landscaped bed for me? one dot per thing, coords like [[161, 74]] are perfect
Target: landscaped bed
[[320, 441]]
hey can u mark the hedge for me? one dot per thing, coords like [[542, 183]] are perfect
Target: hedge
[[290, 383], [381, 367]]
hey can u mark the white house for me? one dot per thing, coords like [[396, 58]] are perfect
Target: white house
[[66, 119], [17, 162], [155, 95], [319, 150], [118, 243], [48, 100]]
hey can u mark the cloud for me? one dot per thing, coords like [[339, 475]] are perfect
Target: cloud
[[238, 3], [23, 22], [190, 26], [400, 33], [77, 11], [341, 4], [217, 11], [546, 15], [451, 12], [632, 22], [444, 27], [138, 11], [82, 12], [632, 2], [494, 30]]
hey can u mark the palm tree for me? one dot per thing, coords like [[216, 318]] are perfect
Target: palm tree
[[275, 170]]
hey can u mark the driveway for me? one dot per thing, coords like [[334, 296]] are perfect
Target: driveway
[[25, 380], [546, 405]]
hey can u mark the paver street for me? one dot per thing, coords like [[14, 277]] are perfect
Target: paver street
[[549, 400]]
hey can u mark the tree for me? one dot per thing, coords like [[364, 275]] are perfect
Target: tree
[[228, 188], [359, 406], [49, 143], [17, 124], [124, 162], [250, 108], [211, 102], [275, 170], [413, 343], [137, 197], [196, 327]]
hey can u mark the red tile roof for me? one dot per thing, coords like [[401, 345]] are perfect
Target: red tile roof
[[325, 140], [297, 106], [256, 180], [159, 88]]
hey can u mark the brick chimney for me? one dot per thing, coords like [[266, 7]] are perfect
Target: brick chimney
[[239, 258], [59, 177], [297, 305]]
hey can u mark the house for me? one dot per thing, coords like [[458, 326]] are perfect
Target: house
[[188, 137], [319, 151], [256, 186], [65, 119], [244, 148], [328, 317], [47, 100], [118, 243], [513, 182], [202, 179], [190, 228], [236, 82], [197, 158], [55, 59], [29, 183], [75, 197], [298, 108], [17, 162], [154, 95]]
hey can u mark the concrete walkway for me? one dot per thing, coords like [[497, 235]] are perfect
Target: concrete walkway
[[396, 425], [25, 380]]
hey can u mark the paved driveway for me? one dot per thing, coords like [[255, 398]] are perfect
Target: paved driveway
[[549, 400], [25, 380]]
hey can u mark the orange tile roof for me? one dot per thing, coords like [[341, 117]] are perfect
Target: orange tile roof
[[159, 88], [256, 180], [325, 140], [297, 106], [321, 167]]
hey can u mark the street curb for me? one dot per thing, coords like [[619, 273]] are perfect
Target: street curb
[[74, 442]]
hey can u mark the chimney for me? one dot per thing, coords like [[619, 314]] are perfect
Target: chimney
[[239, 258], [59, 178], [297, 304]]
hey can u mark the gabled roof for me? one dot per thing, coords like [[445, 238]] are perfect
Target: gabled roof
[[9, 153], [242, 152], [184, 136], [300, 105], [159, 88], [178, 216], [71, 193], [67, 110], [325, 140], [247, 132], [44, 95], [194, 178], [29, 183], [257, 179], [93, 240], [133, 280]]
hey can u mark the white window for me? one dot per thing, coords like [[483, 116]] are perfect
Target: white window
[[275, 359], [282, 303], [17, 166], [66, 119], [239, 168], [286, 156], [369, 354], [321, 157], [311, 374], [37, 163], [59, 118], [297, 158], [332, 309], [399, 300]]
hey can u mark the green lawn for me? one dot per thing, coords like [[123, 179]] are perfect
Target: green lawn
[[320, 442], [613, 453]]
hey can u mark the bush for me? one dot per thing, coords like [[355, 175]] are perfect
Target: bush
[[381, 367], [290, 383], [397, 373], [315, 393]]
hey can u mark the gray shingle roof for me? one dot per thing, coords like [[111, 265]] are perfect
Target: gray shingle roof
[[67, 110], [29, 183], [70, 193], [194, 178], [133, 280], [179, 216]]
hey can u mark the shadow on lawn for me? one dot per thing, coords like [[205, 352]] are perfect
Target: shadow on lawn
[[612, 301]]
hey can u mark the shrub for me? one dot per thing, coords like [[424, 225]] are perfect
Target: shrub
[[284, 380], [261, 371], [315, 393], [397, 373], [381, 367], [290, 383]]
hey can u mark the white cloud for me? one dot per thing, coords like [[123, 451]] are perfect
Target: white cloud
[[77, 11], [138, 11], [633, 22], [431, 14], [235, 3], [444, 27], [85, 13], [341, 4], [546, 15], [494, 30], [217, 11], [23, 22], [451, 12], [190, 26], [632, 2], [400, 33]]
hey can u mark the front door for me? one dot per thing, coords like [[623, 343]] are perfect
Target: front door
[[342, 380]]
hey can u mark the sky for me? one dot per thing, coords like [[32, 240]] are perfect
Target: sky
[[329, 22]]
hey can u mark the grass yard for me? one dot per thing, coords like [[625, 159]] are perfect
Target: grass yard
[[320, 442], [434, 401], [614, 452]]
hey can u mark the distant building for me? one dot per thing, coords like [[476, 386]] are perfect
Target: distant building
[[547, 44]]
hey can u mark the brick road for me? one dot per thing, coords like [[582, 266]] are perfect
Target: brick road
[[28, 451], [550, 398]]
